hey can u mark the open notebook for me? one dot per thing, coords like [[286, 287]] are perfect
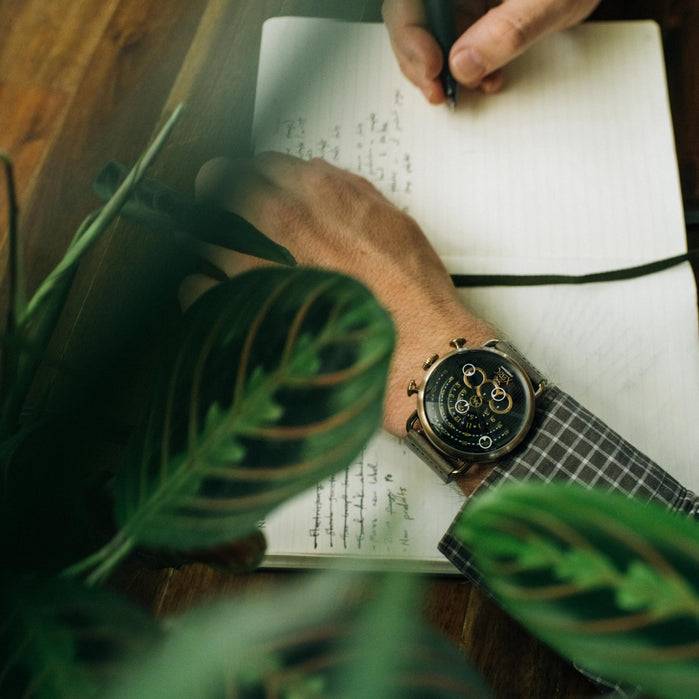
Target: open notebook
[[570, 169]]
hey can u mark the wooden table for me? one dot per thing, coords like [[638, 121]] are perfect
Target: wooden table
[[83, 82]]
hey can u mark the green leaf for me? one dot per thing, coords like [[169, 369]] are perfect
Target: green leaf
[[95, 224], [610, 582], [36, 319], [32, 345], [159, 208], [15, 270], [268, 390], [61, 640], [313, 639], [393, 654]]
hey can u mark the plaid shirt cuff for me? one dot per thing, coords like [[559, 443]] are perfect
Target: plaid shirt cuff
[[567, 442]]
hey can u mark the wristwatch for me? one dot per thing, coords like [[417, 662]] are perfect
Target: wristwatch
[[474, 405]]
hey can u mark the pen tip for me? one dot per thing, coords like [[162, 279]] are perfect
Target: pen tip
[[450, 89]]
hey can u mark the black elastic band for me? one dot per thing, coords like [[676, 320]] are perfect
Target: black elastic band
[[468, 280]]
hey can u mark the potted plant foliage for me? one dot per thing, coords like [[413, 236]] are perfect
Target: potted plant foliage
[[272, 381]]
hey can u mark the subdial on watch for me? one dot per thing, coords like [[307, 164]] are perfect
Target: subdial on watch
[[461, 406], [499, 400], [475, 403]]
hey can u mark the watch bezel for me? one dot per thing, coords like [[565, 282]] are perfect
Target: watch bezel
[[468, 456]]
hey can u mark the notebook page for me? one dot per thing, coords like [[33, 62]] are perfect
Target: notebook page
[[573, 161], [628, 351], [386, 506], [570, 169]]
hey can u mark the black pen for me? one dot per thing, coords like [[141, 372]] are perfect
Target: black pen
[[440, 16]]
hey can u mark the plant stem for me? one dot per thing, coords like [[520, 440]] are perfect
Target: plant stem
[[103, 561], [105, 216], [13, 260], [119, 552], [10, 356], [16, 377]]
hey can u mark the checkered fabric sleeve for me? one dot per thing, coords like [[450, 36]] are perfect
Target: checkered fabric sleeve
[[569, 443]]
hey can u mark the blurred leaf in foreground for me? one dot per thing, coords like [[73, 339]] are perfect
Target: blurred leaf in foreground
[[608, 581]]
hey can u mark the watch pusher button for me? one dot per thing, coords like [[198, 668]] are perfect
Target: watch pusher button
[[430, 361], [458, 342], [412, 388]]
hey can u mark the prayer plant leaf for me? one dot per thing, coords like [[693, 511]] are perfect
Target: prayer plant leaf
[[393, 654], [276, 381], [159, 208], [60, 640], [306, 641], [610, 582]]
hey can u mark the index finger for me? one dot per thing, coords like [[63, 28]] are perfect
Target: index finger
[[419, 56]]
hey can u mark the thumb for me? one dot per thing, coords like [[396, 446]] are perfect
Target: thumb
[[497, 37]]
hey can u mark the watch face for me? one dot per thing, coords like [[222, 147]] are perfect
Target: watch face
[[476, 404]]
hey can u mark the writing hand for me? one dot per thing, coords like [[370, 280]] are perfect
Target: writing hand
[[333, 219], [493, 34]]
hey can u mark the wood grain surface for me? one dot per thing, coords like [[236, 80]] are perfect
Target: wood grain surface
[[85, 82]]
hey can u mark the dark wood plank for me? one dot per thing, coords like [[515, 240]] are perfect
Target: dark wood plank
[[44, 51], [119, 99], [49, 44], [681, 28], [30, 118]]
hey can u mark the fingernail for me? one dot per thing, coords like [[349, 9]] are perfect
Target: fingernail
[[467, 66]]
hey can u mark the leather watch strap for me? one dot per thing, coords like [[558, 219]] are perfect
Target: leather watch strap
[[446, 469], [535, 376]]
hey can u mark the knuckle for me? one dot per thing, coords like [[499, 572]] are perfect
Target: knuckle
[[325, 185], [513, 33]]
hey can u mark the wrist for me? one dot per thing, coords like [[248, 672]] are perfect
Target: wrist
[[421, 335]]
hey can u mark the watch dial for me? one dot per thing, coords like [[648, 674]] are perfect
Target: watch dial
[[476, 402]]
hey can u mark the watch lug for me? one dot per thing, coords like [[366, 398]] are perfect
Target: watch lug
[[430, 361], [458, 342]]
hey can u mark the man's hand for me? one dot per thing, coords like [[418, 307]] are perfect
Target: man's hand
[[493, 34], [333, 219]]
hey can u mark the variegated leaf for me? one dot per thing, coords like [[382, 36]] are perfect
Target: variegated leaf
[[316, 639], [277, 381], [60, 639], [610, 582]]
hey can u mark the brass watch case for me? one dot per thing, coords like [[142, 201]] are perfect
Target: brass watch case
[[472, 457]]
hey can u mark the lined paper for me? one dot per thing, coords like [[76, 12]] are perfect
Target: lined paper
[[570, 169]]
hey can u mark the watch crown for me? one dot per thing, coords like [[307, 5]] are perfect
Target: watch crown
[[412, 388], [458, 342], [430, 361]]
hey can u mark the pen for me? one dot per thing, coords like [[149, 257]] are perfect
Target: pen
[[440, 16]]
